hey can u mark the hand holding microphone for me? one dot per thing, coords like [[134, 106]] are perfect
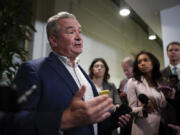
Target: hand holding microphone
[[147, 104]]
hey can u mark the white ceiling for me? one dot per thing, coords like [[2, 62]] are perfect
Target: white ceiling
[[149, 11]]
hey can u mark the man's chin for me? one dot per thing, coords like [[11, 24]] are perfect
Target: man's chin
[[78, 52]]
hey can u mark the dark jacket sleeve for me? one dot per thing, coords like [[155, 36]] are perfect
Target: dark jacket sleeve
[[29, 120]]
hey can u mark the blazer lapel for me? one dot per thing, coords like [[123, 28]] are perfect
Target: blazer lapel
[[162, 99], [169, 71], [147, 88], [146, 85], [61, 70]]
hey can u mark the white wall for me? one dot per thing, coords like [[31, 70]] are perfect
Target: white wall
[[170, 23], [40, 41]]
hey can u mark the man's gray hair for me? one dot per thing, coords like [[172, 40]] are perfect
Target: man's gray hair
[[128, 60], [53, 27]]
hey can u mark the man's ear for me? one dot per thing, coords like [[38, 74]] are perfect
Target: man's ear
[[53, 41]]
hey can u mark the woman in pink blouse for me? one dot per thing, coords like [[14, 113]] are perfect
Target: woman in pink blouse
[[146, 76]]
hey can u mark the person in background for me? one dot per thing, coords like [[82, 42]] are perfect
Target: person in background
[[127, 66], [99, 73], [147, 115], [173, 53], [66, 101]]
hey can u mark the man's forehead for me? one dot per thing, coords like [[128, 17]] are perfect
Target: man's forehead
[[174, 45], [69, 22], [125, 65]]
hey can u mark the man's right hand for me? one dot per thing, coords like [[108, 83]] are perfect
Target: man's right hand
[[81, 112]]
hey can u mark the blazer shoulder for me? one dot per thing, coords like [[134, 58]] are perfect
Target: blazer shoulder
[[108, 84], [166, 71], [34, 64]]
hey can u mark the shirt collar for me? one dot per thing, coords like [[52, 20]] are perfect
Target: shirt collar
[[178, 66], [66, 60]]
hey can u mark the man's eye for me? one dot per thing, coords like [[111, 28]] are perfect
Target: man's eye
[[70, 32]]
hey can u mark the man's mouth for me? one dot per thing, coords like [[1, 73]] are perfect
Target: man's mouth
[[78, 44]]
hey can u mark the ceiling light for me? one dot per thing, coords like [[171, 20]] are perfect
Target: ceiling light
[[152, 37], [124, 12]]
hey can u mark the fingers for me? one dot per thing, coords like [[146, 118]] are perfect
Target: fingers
[[103, 117], [103, 106], [97, 100], [102, 110], [124, 119], [117, 106], [98, 108], [80, 92], [173, 126]]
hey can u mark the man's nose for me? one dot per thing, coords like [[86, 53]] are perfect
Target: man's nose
[[78, 36]]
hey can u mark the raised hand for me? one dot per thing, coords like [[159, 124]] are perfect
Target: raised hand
[[86, 112]]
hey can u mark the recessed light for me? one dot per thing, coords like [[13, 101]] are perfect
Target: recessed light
[[124, 12], [152, 37]]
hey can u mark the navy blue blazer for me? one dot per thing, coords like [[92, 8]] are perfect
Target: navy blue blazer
[[41, 115]]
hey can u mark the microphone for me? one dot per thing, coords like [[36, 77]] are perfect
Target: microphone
[[9, 101], [24, 98], [144, 100]]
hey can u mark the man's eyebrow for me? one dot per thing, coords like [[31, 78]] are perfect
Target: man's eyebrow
[[71, 27]]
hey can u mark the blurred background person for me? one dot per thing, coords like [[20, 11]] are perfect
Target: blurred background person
[[173, 53], [127, 66], [173, 69], [147, 115], [99, 73]]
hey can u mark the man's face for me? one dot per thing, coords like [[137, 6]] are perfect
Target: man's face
[[128, 70], [173, 53], [69, 41]]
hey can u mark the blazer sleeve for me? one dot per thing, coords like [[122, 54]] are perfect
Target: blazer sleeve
[[29, 120], [116, 98], [133, 98], [113, 92]]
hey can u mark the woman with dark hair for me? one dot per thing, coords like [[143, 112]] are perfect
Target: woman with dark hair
[[143, 97], [99, 73]]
